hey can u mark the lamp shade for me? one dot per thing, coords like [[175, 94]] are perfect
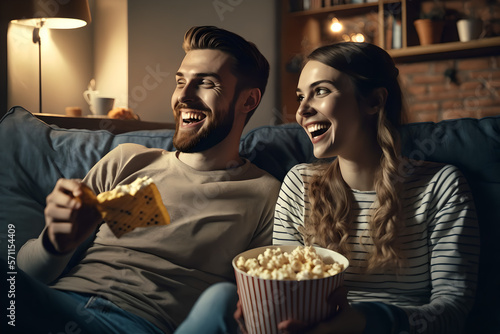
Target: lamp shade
[[61, 14]]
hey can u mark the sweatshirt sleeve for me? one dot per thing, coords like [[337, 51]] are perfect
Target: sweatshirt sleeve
[[35, 260], [453, 241], [264, 232]]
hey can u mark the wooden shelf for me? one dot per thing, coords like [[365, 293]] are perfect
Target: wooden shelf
[[352, 9], [456, 49]]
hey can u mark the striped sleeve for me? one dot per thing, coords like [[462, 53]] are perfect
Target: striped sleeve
[[453, 239], [289, 212]]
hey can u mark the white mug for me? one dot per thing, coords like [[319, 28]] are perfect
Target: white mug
[[88, 95], [102, 105], [469, 29]]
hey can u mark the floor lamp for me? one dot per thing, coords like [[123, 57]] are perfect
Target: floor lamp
[[37, 14]]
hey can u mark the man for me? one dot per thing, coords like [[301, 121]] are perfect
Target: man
[[219, 205]]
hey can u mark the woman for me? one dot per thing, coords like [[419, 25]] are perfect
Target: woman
[[408, 228]]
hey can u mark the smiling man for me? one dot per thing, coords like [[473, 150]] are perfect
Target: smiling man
[[219, 205], [215, 96], [206, 106], [204, 102]]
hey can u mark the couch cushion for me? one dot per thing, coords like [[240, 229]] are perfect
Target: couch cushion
[[277, 148]]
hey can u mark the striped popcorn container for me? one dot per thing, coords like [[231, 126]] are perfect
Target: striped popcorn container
[[267, 302]]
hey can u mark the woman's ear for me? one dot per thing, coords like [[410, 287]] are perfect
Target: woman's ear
[[251, 98], [377, 100]]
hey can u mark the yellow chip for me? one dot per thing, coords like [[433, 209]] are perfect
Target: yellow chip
[[124, 212], [88, 197]]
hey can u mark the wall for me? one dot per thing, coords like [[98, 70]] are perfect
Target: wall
[[156, 30], [70, 59], [473, 90], [432, 96], [110, 44], [5, 11], [66, 68], [133, 49]]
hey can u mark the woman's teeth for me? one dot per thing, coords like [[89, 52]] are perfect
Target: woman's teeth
[[317, 129]]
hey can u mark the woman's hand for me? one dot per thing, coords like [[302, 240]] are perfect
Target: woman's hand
[[346, 319], [69, 221]]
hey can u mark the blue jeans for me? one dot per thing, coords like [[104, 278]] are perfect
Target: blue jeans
[[213, 311], [41, 309]]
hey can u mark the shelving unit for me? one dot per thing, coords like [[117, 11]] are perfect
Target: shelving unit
[[349, 10], [304, 30]]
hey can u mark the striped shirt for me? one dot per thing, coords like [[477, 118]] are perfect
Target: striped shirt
[[440, 243]]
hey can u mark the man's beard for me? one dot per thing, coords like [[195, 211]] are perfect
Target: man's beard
[[211, 134]]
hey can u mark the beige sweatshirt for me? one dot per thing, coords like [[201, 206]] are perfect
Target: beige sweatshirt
[[159, 272]]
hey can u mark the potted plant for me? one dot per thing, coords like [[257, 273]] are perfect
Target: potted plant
[[430, 25]]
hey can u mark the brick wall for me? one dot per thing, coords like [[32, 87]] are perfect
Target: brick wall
[[433, 96], [476, 92]]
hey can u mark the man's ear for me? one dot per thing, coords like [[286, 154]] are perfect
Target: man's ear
[[377, 100], [251, 98]]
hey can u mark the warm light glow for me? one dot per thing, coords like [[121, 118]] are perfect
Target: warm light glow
[[358, 38], [52, 23], [336, 26], [43, 33]]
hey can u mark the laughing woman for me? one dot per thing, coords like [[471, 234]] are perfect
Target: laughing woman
[[408, 228]]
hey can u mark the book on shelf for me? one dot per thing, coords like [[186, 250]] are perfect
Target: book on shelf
[[316, 4]]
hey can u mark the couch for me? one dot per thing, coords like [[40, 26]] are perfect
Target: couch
[[35, 154]]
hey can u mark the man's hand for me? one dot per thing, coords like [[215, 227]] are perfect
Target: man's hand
[[346, 320], [69, 221]]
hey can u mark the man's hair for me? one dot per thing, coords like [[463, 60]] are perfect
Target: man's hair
[[250, 66]]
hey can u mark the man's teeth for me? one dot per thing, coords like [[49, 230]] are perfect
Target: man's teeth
[[192, 116]]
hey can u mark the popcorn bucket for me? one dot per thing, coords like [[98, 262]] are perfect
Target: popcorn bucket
[[267, 302]]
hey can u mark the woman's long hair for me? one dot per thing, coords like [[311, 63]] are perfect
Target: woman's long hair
[[369, 67]]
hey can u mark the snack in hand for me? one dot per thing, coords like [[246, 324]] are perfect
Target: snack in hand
[[129, 206]]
